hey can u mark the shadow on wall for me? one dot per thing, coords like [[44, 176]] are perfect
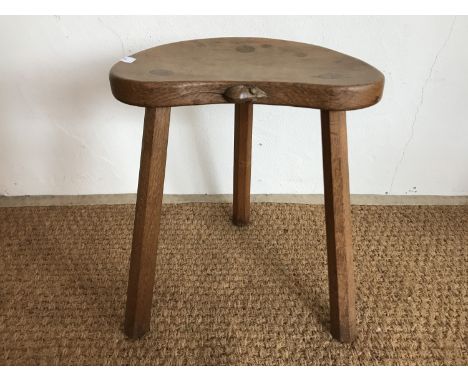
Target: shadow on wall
[[199, 142]]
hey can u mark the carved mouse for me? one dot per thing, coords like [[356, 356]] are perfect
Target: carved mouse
[[243, 93]]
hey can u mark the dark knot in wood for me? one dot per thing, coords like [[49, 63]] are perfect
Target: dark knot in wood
[[243, 93]]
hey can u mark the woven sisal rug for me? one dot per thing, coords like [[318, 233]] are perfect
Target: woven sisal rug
[[225, 295]]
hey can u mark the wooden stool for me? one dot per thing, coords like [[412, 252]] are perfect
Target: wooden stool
[[244, 71]]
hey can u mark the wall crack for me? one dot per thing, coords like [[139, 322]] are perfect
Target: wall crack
[[421, 101], [115, 34], [87, 147]]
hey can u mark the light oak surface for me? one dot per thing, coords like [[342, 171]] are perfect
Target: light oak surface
[[242, 163], [147, 218], [290, 73], [338, 225]]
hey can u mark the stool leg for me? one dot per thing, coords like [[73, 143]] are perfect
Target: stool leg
[[242, 158], [338, 222], [147, 217]]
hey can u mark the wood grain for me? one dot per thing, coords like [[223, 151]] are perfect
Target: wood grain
[[242, 162], [338, 226], [198, 72], [147, 218]]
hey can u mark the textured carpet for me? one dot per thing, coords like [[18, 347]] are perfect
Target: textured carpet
[[229, 295]]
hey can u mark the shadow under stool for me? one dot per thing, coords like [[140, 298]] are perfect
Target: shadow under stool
[[244, 72]]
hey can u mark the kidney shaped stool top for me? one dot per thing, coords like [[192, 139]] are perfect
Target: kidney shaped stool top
[[244, 72]]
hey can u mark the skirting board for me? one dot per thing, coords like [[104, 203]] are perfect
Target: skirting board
[[64, 200]]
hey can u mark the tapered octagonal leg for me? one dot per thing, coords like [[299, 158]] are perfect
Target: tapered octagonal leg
[[242, 158], [147, 217], [338, 222]]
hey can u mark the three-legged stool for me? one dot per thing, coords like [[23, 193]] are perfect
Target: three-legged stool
[[244, 71]]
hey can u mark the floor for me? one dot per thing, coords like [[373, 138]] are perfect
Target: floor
[[225, 295]]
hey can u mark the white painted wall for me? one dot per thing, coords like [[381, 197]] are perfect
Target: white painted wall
[[62, 132]]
